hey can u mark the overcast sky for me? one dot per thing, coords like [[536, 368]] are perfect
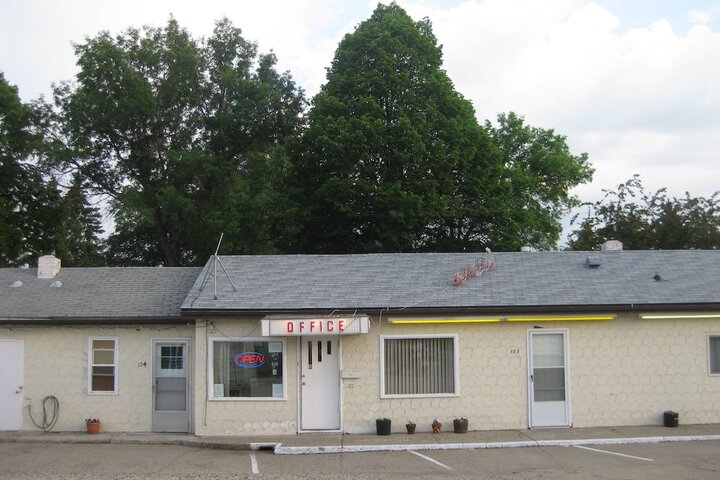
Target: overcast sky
[[634, 83]]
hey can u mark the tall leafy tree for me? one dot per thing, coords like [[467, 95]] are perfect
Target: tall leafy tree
[[16, 143], [165, 126], [393, 158], [538, 171], [644, 220]]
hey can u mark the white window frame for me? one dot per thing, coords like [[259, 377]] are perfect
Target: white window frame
[[115, 365], [211, 374], [709, 352], [456, 366]]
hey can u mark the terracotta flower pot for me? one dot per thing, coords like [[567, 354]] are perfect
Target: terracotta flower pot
[[92, 427], [436, 426], [410, 428]]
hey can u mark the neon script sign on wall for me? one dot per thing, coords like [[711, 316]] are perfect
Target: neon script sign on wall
[[249, 360]]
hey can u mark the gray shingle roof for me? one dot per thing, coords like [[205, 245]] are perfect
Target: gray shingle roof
[[112, 293], [423, 281]]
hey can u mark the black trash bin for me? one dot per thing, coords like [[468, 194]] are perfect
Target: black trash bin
[[670, 418]]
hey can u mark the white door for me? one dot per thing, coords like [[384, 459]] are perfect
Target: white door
[[548, 379], [320, 383], [11, 366], [171, 408]]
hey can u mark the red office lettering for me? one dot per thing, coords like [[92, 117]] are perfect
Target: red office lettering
[[312, 325], [302, 326], [341, 325], [290, 327], [330, 326]]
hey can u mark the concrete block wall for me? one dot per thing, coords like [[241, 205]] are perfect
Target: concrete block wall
[[56, 363]]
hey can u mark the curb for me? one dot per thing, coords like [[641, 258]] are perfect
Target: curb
[[281, 450]]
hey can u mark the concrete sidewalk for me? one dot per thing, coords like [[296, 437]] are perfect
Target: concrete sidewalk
[[313, 443]]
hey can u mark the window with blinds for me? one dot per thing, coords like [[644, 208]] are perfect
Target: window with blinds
[[714, 352], [419, 366]]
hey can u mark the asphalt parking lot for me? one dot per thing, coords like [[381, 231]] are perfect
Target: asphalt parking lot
[[673, 460]]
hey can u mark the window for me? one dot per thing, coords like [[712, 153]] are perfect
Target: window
[[714, 353], [247, 369], [419, 366], [171, 358], [102, 368]]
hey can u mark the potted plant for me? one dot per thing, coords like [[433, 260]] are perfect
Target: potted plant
[[460, 425], [436, 426], [92, 425], [382, 426], [410, 425]]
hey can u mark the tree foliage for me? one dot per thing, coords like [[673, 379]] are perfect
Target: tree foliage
[[642, 220], [538, 172], [37, 216], [394, 159], [168, 127], [16, 143]]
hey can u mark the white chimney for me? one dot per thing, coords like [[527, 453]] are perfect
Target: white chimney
[[611, 246], [48, 266]]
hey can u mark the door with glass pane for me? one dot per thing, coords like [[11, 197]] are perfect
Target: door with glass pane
[[171, 412], [320, 383], [548, 379]]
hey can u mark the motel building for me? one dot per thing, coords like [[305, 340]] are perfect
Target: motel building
[[291, 344]]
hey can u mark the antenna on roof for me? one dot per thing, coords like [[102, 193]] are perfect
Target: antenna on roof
[[213, 271], [216, 262]]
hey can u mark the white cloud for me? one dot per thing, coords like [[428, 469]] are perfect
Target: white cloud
[[700, 16], [643, 100]]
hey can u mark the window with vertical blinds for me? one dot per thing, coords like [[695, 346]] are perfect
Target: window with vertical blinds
[[419, 366], [714, 351]]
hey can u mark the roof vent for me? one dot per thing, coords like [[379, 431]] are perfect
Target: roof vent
[[48, 266], [593, 261], [611, 246], [16, 284], [56, 284]]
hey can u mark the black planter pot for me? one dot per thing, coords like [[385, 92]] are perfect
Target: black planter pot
[[383, 426], [460, 425]]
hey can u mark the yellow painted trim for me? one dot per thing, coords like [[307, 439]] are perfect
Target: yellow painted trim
[[432, 321], [677, 316], [562, 319], [418, 321]]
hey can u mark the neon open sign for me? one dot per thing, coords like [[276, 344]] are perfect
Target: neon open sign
[[249, 360]]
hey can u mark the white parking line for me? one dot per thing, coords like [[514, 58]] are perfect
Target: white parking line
[[253, 463], [615, 453], [430, 459]]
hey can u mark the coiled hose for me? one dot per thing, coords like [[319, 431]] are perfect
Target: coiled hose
[[49, 403]]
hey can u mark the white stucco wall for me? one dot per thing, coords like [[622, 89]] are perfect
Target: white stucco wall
[[622, 372], [56, 363], [242, 416]]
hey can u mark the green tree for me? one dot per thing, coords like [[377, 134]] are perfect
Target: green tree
[[538, 172], [642, 220], [394, 159], [165, 126], [16, 144]]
